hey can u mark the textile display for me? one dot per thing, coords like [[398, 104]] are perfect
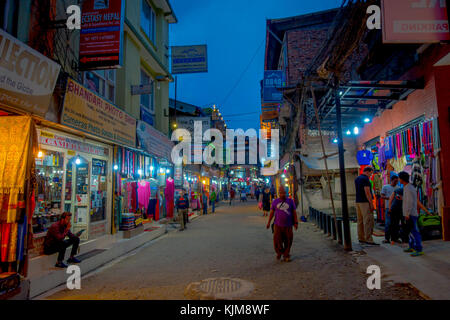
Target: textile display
[[14, 152], [364, 157], [169, 194], [413, 150], [144, 193], [18, 146]]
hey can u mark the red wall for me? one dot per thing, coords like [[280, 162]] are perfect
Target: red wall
[[420, 102], [442, 75]]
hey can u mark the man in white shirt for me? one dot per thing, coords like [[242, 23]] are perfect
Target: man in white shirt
[[386, 193], [411, 215]]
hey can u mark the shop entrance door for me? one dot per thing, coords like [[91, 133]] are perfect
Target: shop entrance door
[[76, 198]]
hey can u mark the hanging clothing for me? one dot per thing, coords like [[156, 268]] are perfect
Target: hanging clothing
[[169, 194], [364, 157], [399, 163], [389, 148], [144, 194]]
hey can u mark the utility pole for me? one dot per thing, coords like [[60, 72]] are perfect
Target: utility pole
[[176, 84], [345, 218]]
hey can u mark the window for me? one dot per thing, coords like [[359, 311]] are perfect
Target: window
[[102, 82], [148, 20], [9, 16], [3, 14], [147, 99]]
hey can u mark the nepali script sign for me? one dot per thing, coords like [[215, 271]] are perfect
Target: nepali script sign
[[189, 59], [85, 111], [27, 78], [415, 21]]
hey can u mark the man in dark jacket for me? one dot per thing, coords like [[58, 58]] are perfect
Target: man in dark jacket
[[182, 204], [54, 241]]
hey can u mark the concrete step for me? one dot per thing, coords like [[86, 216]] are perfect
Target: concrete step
[[44, 276]]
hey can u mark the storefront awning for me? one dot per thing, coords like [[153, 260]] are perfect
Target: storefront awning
[[153, 141], [359, 100]]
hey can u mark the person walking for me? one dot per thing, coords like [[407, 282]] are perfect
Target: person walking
[[364, 207], [285, 214], [410, 205], [205, 202], [386, 193], [266, 197], [232, 194], [213, 198], [395, 213], [182, 205], [272, 191], [257, 192]]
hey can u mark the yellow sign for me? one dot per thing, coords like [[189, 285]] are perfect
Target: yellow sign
[[85, 111], [47, 135]]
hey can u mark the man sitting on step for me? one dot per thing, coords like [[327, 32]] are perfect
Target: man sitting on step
[[54, 240]]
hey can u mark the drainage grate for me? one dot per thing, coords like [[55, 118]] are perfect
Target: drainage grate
[[220, 285], [219, 288], [90, 254]]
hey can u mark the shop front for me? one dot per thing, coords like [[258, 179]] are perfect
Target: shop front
[[159, 147], [413, 148], [192, 184], [407, 138], [72, 175], [137, 199], [20, 96]]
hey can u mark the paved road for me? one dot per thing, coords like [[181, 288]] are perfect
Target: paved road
[[234, 243]]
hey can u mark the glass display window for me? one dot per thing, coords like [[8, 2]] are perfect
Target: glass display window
[[99, 188], [77, 193], [49, 180]]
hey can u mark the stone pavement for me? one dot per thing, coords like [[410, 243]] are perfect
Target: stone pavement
[[429, 273], [234, 244]]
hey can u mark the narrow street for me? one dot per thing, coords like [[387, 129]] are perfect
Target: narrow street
[[234, 243]]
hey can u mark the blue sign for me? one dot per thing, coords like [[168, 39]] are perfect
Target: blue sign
[[189, 59], [273, 81], [147, 116]]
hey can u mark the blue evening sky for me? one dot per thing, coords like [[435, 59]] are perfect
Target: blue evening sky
[[233, 31]]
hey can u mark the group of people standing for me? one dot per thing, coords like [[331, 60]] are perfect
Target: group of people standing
[[402, 207], [182, 205]]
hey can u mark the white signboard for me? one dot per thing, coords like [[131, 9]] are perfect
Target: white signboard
[[189, 59], [188, 123], [142, 89], [27, 78]]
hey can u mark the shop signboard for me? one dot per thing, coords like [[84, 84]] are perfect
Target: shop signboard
[[27, 78], [189, 122], [85, 111], [146, 116], [274, 80], [269, 115], [55, 140], [189, 59], [153, 141], [101, 36], [415, 21], [178, 175], [142, 89]]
